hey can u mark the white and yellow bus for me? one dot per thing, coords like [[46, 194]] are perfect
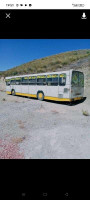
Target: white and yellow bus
[[58, 86]]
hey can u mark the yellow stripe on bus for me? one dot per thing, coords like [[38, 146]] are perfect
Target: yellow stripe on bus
[[8, 92], [28, 95], [47, 97], [78, 98], [57, 99], [62, 99]]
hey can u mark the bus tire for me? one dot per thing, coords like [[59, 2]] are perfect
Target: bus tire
[[40, 96], [13, 92]]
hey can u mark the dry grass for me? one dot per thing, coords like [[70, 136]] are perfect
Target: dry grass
[[50, 63]]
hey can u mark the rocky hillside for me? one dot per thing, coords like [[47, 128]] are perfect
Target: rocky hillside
[[78, 60], [50, 63]]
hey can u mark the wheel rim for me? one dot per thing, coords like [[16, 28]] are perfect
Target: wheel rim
[[13, 91], [40, 95]]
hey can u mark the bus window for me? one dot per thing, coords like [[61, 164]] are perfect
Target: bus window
[[13, 82], [7, 82], [32, 80], [25, 81], [75, 78], [18, 81], [41, 80], [81, 79], [62, 79], [52, 80]]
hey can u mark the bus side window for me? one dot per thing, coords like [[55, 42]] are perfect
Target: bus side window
[[75, 78], [52, 80], [41, 80], [55, 80], [7, 83], [49, 81], [13, 82], [18, 81], [62, 79], [25, 81], [81, 79], [32, 80]]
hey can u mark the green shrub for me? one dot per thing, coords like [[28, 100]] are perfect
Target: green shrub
[[14, 73], [65, 62], [72, 59], [88, 52], [75, 53], [50, 63], [54, 62], [45, 66]]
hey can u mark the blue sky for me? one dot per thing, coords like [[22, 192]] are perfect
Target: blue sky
[[14, 52]]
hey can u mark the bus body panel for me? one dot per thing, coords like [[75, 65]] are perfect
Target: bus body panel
[[52, 91], [25, 89], [32, 89], [77, 92], [18, 88], [66, 92], [13, 87], [8, 88]]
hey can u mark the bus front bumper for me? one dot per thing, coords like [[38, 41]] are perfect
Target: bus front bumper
[[76, 98]]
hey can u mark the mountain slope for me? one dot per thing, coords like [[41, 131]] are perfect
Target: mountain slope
[[47, 64]]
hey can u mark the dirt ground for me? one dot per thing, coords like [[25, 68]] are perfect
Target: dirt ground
[[32, 129]]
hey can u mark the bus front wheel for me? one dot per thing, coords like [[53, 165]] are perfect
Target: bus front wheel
[[40, 96], [13, 92]]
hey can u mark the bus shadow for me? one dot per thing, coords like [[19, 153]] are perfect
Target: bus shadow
[[68, 103], [58, 102]]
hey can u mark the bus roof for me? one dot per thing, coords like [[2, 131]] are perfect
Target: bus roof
[[67, 71]]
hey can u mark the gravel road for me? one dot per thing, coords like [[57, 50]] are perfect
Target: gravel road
[[41, 130]]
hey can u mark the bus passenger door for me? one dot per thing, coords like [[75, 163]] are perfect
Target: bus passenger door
[[64, 86]]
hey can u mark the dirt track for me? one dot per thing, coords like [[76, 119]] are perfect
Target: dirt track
[[33, 129]]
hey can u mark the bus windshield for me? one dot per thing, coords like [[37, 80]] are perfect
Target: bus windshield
[[77, 79]]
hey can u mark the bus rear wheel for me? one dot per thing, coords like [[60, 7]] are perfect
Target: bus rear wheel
[[40, 96], [13, 92]]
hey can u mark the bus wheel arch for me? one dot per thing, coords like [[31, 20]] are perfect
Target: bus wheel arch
[[40, 95], [13, 92]]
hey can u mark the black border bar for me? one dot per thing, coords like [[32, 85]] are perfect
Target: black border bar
[[44, 24]]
